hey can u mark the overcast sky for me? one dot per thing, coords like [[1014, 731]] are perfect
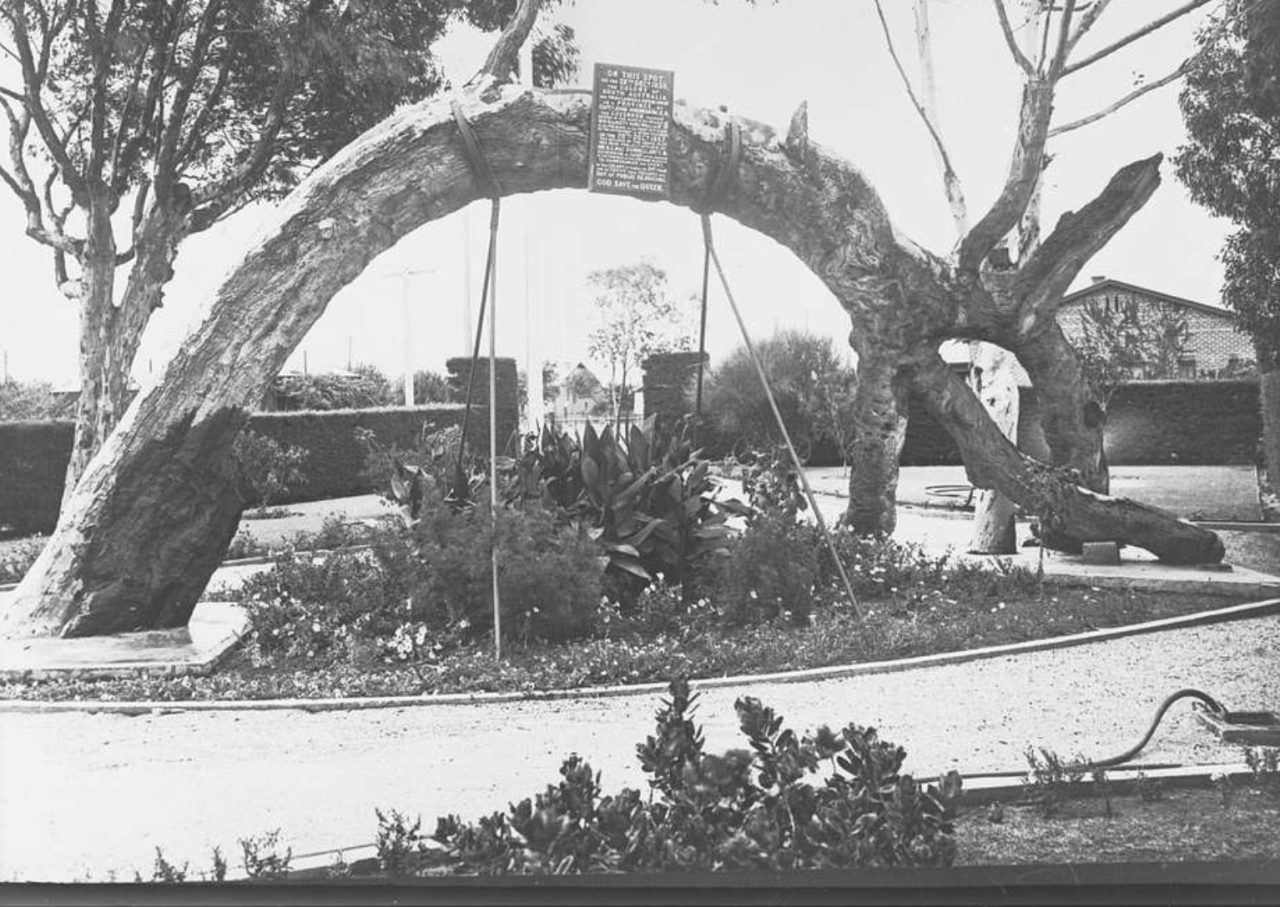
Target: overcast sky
[[761, 61]]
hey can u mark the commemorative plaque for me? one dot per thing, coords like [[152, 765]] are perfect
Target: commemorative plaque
[[631, 131]]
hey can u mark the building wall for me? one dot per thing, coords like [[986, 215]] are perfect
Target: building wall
[[1213, 341]]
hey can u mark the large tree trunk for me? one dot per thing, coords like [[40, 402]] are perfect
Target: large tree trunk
[[992, 461], [879, 430], [143, 530], [1072, 420], [109, 333]]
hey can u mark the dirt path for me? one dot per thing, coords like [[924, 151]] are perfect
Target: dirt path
[[84, 796]]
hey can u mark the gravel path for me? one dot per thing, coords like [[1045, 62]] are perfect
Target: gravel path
[[83, 796]]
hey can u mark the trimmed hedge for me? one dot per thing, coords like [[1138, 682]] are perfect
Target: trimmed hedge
[[34, 455], [335, 467], [507, 384], [1193, 423], [33, 468]]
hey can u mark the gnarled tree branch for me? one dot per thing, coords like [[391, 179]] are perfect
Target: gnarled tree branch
[[1078, 235]]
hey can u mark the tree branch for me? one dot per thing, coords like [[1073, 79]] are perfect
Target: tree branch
[[502, 59], [1019, 57], [1040, 283], [1091, 16], [196, 130], [950, 181], [163, 50], [166, 156], [1064, 35], [1025, 166], [1134, 36], [1122, 102], [33, 84]]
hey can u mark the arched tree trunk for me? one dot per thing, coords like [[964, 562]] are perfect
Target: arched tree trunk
[[143, 530]]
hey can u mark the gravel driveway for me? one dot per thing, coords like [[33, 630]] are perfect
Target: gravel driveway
[[84, 796]]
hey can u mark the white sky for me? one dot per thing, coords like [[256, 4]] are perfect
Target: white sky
[[761, 61]]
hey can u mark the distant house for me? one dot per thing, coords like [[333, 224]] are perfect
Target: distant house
[[1215, 346]]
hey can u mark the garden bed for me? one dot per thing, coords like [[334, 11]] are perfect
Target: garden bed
[[890, 629], [1239, 823]]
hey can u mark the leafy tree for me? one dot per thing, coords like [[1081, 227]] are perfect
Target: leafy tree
[[362, 388], [813, 388], [637, 319], [432, 387], [1231, 106], [1122, 341], [23, 400], [268, 468], [181, 112]]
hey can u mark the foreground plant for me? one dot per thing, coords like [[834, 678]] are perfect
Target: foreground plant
[[759, 808]]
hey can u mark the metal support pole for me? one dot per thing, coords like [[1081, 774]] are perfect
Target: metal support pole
[[493, 441]]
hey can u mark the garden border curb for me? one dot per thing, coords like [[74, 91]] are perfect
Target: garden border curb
[[1220, 615]]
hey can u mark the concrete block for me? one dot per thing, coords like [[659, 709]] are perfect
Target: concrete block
[[1102, 554]]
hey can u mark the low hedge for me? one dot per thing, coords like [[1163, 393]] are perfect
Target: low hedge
[[335, 466], [507, 384], [34, 455], [33, 466]]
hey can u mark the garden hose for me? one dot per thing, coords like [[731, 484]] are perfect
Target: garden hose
[[1128, 754]]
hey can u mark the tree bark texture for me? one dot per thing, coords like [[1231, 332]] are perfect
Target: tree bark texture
[[879, 430], [110, 333], [143, 530], [994, 515]]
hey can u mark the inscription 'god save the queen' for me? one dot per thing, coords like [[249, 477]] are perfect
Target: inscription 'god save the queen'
[[631, 130]]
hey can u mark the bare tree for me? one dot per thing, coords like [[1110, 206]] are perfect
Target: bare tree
[[1042, 48]]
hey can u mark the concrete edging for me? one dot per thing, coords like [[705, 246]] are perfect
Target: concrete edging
[[1219, 615]]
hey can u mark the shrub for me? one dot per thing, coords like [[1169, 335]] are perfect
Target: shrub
[[17, 558], [31, 400], [306, 607], [813, 389], [267, 467], [746, 809], [905, 572], [363, 388], [548, 575], [770, 573], [338, 458]]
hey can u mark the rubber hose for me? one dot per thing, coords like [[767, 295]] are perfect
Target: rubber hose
[[1128, 754]]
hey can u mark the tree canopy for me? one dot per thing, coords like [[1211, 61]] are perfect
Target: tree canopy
[[1231, 105]]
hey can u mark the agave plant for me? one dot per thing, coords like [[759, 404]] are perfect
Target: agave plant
[[650, 501]]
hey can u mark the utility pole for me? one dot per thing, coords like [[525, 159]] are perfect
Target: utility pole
[[406, 324], [534, 410]]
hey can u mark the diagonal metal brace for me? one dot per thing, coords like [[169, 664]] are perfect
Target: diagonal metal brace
[[475, 156]]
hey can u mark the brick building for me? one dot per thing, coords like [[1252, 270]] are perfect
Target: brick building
[[1215, 346]]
